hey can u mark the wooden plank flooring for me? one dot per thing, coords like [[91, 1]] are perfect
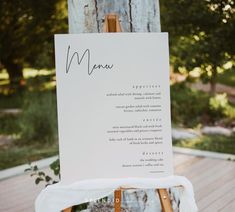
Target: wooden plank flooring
[[213, 181]]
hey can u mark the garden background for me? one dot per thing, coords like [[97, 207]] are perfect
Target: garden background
[[202, 54]]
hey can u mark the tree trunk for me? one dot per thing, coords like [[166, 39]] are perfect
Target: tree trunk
[[15, 73], [213, 81], [87, 16]]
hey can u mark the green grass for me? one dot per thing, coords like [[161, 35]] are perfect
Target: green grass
[[38, 121], [9, 124], [11, 101], [14, 155], [227, 78], [34, 130], [213, 143], [36, 127]]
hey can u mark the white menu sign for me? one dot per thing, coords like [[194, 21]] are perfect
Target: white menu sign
[[113, 105]]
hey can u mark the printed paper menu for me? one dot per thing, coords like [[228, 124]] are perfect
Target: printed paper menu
[[113, 105]]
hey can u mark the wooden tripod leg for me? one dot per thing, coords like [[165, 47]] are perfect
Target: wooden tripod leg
[[117, 200], [111, 23], [165, 200], [67, 210]]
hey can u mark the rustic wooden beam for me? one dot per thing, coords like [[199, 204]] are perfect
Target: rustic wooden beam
[[134, 15], [82, 16], [87, 16]]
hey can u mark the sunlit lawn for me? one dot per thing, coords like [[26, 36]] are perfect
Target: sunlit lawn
[[16, 154], [28, 73], [227, 78], [40, 76]]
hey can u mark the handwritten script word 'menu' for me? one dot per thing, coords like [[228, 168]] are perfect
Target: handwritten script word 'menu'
[[80, 60]]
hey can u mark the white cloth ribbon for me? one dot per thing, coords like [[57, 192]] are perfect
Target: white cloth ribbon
[[57, 197]]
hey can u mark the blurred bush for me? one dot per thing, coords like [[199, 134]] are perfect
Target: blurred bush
[[38, 121], [191, 107], [188, 107], [220, 107]]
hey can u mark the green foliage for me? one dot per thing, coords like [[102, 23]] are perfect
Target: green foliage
[[213, 143], [40, 176], [188, 107], [38, 121], [26, 33], [219, 102], [80, 207], [220, 106], [192, 107], [201, 34], [55, 167]]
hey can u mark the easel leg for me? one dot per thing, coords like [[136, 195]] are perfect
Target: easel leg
[[67, 210], [165, 200], [117, 200]]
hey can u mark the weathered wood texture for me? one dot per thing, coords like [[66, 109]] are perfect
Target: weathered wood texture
[[86, 16]]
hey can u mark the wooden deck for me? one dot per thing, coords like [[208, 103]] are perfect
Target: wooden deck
[[213, 181]]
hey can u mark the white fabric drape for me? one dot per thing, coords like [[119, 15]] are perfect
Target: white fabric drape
[[57, 197]]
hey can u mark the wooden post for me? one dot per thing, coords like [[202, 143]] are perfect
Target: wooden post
[[87, 16], [134, 15]]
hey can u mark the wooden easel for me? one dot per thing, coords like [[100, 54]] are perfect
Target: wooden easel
[[112, 24]]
